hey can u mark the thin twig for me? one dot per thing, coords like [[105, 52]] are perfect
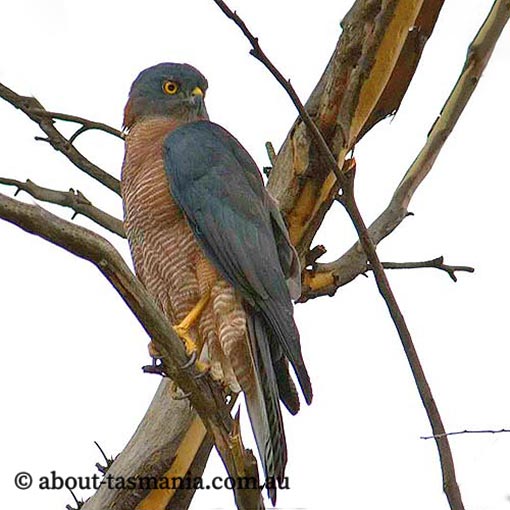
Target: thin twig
[[257, 52], [271, 153], [314, 254], [109, 461], [73, 199], [86, 124], [79, 503], [35, 111], [460, 432], [450, 485], [437, 263]]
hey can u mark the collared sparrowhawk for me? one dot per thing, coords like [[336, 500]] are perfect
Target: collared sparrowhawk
[[202, 228]]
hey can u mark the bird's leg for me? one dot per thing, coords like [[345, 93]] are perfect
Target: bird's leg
[[182, 329]]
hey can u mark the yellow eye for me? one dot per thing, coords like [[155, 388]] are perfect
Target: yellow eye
[[170, 87]]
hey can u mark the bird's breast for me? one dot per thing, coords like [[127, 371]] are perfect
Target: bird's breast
[[145, 189], [163, 247]]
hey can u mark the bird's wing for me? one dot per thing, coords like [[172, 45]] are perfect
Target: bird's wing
[[218, 186]]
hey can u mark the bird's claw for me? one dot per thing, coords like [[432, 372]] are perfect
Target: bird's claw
[[183, 396], [201, 372], [189, 343], [201, 366], [176, 393], [190, 361]]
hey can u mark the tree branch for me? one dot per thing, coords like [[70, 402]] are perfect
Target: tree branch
[[86, 124], [73, 199], [36, 112], [437, 263], [325, 279], [363, 96], [204, 394], [300, 181], [460, 432]]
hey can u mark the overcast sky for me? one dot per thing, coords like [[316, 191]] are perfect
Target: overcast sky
[[72, 351]]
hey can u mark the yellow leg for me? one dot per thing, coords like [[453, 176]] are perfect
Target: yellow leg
[[183, 328]]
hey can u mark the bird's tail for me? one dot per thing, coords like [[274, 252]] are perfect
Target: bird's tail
[[263, 406]]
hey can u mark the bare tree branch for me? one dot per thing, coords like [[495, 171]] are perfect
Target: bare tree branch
[[461, 432], [437, 263], [205, 395], [301, 182], [36, 112], [86, 124], [73, 199], [326, 278], [400, 79]]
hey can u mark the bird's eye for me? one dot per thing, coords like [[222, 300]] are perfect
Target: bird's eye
[[170, 87]]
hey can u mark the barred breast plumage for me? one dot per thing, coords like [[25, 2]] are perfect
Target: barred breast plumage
[[171, 264]]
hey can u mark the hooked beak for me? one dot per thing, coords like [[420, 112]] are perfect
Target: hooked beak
[[197, 99], [197, 91]]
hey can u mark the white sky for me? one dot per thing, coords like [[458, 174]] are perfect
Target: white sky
[[72, 351]]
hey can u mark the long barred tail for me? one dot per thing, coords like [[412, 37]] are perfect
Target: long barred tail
[[263, 405]]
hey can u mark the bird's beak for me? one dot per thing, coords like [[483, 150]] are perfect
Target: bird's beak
[[197, 99], [197, 91]]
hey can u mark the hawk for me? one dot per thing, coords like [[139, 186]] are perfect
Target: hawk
[[211, 247]]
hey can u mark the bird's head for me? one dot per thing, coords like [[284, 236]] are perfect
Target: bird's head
[[167, 90]]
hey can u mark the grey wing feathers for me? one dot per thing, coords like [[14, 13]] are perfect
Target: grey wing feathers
[[289, 259], [237, 224], [218, 186]]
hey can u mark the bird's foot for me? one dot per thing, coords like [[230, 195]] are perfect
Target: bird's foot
[[191, 350], [189, 344], [203, 367], [183, 328]]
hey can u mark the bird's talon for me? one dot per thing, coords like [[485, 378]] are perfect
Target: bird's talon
[[189, 343], [176, 393], [201, 373], [184, 396], [190, 361]]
